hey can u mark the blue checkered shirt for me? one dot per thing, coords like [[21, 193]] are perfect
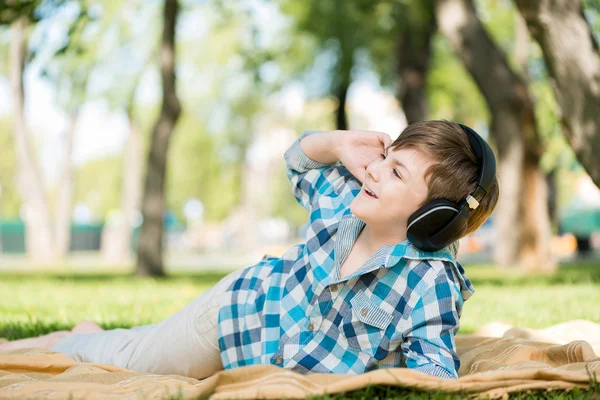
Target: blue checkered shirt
[[400, 309]]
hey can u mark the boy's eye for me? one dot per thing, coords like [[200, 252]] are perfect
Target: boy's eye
[[395, 172]]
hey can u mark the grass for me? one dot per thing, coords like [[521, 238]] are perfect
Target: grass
[[37, 303]]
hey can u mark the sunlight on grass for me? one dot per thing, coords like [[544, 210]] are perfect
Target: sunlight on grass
[[35, 303], [43, 302]]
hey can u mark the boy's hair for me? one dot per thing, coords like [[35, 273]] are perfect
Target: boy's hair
[[454, 173]]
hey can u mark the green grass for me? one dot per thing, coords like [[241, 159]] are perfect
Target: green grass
[[38, 303]]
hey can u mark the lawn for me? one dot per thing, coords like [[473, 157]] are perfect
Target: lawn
[[37, 303]]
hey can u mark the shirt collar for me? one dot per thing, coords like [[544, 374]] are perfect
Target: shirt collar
[[403, 249], [406, 250]]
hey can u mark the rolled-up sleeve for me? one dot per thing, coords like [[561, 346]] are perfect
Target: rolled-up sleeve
[[309, 178]]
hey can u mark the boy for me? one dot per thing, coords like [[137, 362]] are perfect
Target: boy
[[356, 296]]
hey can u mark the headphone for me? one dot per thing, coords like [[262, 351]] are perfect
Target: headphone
[[440, 222]]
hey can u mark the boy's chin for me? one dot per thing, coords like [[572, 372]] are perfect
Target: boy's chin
[[360, 212]]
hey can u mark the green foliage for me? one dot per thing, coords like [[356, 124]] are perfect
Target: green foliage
[[98, 185], [338, 29], [591, 11], [499, 19], [395, 21], [10, 201], [71, 63], [10, 11], [282, 202], [451, 92], [196, 170], [126, 43]]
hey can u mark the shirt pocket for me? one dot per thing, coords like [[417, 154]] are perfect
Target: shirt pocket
[[365, 324]]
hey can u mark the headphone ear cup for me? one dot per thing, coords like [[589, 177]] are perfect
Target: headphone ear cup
[[454, 230], [428, 220]]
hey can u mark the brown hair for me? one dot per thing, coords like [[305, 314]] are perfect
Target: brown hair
[[454, 172]]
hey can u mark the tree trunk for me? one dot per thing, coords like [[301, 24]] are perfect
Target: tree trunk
[[341, 120], [340, 90], [252, 194], [150, 260], [522, 223], [131, 190], [39, 241], [341, 82], [131, 185], [551, 178], [413, 54], [64, 200], [573, 61]]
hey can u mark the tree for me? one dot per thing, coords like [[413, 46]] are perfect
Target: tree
[[43, 241], [119, 88], [522, 224], [340, 28], [150, 245], [68, 69], [573, 60], [413, 52], [39, 239], [131, 186]]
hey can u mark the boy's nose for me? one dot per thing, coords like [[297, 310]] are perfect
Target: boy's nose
[[373, 171]]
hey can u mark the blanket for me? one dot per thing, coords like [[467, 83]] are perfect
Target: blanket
[[504, 360]]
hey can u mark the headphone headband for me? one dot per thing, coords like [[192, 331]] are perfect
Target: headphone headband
[[440, 222], [487, 161]]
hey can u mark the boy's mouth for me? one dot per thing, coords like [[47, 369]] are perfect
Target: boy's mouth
[[369, 193]]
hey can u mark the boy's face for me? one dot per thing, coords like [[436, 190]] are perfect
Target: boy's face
[[397, 179]]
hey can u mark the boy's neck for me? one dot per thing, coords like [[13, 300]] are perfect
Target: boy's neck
[[371, 239]]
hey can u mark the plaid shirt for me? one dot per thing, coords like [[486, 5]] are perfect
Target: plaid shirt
[[400, 309]]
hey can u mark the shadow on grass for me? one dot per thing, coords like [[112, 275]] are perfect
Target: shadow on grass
[[21, 330]]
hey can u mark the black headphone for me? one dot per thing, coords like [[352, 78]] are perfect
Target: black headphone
[[440, 222]]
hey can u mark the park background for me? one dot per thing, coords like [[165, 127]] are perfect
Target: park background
[[141, 143]]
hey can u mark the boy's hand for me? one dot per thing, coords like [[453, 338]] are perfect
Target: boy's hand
[[356, 149]]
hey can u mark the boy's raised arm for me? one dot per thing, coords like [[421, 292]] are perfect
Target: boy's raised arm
[[305, 158], [429, 344], [325, 162], [320, 148]]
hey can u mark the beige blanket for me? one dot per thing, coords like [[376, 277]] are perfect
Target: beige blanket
[[520, 359]]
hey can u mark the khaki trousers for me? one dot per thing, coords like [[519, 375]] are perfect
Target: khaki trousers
[[185, 343]]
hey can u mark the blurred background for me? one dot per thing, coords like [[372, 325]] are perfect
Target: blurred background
[[148, 136]]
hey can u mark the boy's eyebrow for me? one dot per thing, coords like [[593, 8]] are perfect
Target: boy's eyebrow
[[396, 161]]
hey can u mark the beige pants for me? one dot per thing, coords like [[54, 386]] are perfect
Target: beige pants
[[185, 343]]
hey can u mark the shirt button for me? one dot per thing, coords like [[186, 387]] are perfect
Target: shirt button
[[334, 288], [311, 327], [279, 360], [364, 312]]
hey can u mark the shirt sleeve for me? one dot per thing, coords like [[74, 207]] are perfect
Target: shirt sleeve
[[311, 178], [429, 344]]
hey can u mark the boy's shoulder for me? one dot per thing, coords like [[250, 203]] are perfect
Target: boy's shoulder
[[426, 270], [437, 275]]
